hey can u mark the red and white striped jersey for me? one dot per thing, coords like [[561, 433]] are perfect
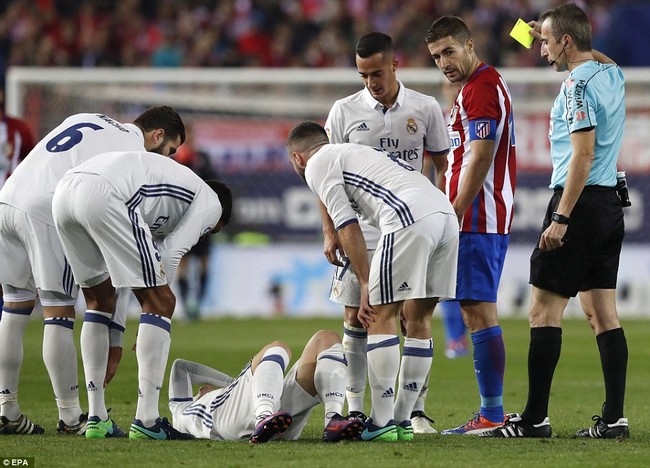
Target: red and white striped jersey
[[483, 110]]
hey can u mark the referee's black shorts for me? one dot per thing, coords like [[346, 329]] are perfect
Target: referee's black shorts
[[589, 257]]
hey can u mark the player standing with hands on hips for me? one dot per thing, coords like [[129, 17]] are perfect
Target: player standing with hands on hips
[[583, 230], [407, 124], [480, 176]]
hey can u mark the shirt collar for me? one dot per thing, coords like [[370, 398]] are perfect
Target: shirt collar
[[374, 104]]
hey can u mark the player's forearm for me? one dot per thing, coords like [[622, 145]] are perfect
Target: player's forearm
[[328, 224], [471, 185], [579, 169], [355, 249], [600, 57]]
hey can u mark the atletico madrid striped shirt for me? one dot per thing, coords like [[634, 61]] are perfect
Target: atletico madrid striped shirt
[[483, 111]]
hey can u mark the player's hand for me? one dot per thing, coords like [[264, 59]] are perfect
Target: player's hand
[[114, 357], [553, 237], [536, 32], [332, 248], [366, 314]]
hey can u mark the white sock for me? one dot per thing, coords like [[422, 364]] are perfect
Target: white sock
[[416, 364], [152, 351], [94, 354], [383, 367], [422, 397], [355, 344], [329, 380], [268, 381], [60, 357], [12, 329]]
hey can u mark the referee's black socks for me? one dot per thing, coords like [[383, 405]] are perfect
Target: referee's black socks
[[613, 358]]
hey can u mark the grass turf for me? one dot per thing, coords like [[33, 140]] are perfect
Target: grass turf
[[227, 344]]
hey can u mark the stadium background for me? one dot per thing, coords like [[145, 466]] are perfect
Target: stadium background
[[242, 72]]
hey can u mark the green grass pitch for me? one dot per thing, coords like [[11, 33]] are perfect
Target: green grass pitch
[[227, 344]]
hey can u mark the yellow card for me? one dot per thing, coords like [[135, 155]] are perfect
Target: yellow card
[[520, 33]]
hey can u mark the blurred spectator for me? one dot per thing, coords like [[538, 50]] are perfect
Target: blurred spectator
[[16, 141], [281, 33]]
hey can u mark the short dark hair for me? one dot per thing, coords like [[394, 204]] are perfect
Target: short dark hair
[[446, 26], [225, 197], [306, 134], [374, 43], [164, 117], [569, 19]]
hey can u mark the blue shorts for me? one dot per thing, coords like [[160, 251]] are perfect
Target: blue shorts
[[480, 263]]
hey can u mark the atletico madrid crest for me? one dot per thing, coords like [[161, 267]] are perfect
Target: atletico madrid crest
[[482, 128]]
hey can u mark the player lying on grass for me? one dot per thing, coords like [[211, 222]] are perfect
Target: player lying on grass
[[262, 403]]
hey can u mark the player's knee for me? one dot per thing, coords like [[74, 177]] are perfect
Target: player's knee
[[279, 344], [325, 339]]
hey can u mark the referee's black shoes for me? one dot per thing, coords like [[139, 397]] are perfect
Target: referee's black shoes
[[515, 426]]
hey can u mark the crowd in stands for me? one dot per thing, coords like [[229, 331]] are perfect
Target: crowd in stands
[[266, 33]]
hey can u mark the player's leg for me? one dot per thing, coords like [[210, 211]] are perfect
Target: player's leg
[[319, 376], [430, 256], [19, 294], [85, 216], [60, 358], [481, 258], [355, 344], [417, 356], [268, 368], [345, 290], [599, 306], [383, 368], [455, 330], [17, 308], [94, 343]]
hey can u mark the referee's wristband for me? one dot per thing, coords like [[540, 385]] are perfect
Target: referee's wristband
[[560, 219]]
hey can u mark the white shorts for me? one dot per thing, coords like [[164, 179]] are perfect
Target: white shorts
[[102, 236], [345, 285], [31, 256], [419, 261], [228, 413]]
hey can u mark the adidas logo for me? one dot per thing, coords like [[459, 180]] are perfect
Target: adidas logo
[[5, 392], [411, 387], [363, 128], [404, 287], [91, 386], [388, 393]]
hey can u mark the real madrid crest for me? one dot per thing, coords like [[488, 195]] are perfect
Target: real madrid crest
[[411, 126]]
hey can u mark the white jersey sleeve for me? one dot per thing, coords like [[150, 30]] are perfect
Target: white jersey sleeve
[[174, 202], [186, 234], [76, 140], [335, 124], [383, 190], [324, 177]]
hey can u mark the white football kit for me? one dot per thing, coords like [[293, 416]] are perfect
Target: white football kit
[[109, 210], [30, 253], [415, 123], [417, 253], [228, 413]]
